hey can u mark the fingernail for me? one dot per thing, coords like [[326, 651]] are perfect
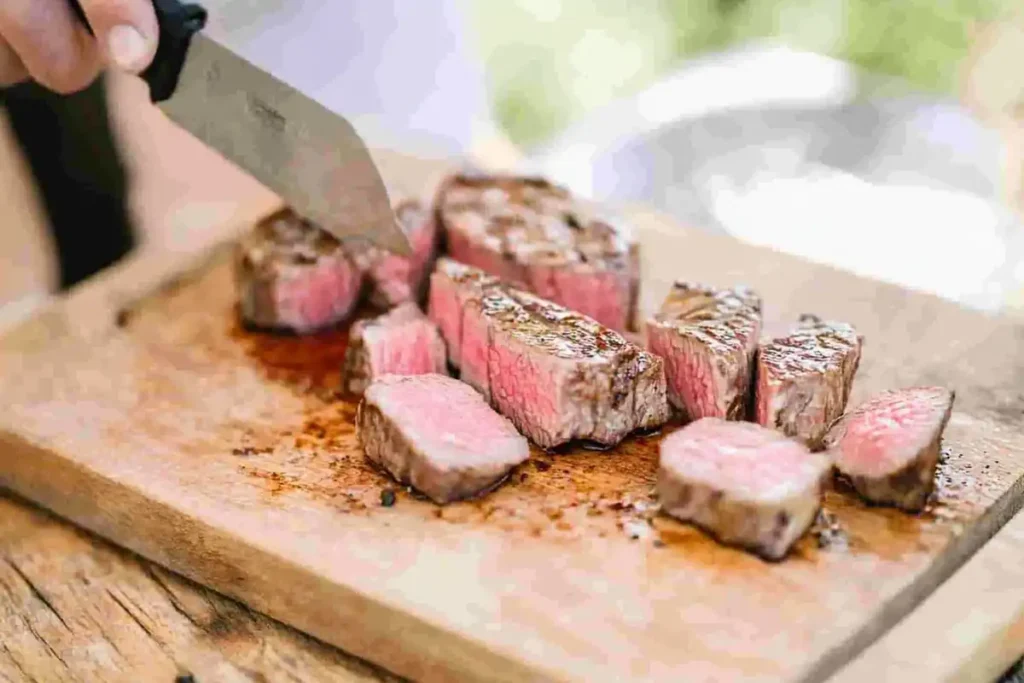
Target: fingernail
[[127, 47]]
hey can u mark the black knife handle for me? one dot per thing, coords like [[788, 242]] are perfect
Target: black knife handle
[[178, 22]]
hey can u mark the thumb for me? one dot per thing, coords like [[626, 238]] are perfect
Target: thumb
[[126, 30], [11, 69]]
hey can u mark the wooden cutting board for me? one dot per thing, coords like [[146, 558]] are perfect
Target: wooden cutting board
[[225, 456]]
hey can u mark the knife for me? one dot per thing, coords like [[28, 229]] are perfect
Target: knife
[[305, 152]]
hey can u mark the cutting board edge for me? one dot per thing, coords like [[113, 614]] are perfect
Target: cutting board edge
[[894, 610], [981, 603], [94, 307], [25, 471]]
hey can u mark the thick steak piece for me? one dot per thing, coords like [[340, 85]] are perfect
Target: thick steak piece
[[888, 447], [293, 276], [707, 337], [804, 378], [401, 342], [556, 374], [535, 235], [396, 279], [438, 435], [746, 485]]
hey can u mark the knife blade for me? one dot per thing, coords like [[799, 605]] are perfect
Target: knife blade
[[308, 154]]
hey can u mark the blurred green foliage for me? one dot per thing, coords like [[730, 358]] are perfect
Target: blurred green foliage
[[550, 61]]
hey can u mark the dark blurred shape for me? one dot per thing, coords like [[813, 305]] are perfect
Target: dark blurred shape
[[70, 148], [1015, 674]]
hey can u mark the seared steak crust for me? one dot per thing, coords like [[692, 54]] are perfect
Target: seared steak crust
[[293, 276], [556, 374], [534, 234], [707, 337], [804, 379]]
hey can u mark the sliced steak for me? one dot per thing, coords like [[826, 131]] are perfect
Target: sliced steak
[[888, 447], [707, 337], [453, 286], [536, 235], [804, 378], [402, 342], [556, 374], [748, 486], [293, 276], [437, 435], [396, 279]]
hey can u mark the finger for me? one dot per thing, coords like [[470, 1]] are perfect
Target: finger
[[11, 69], [52, 45], [126, 30]]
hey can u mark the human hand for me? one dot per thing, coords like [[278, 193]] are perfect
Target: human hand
[[44, 41]]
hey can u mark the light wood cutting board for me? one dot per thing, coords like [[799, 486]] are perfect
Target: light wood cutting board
[[225, 456]]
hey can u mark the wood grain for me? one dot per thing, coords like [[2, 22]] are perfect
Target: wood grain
[[224, 456], [75, 609]]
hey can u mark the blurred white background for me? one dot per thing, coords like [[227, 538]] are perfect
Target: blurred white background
[[832, 129]]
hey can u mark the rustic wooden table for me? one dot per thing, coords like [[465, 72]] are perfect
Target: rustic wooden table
[[75, 608]]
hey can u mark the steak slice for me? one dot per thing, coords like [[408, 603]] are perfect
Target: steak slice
[[535, 235], [402, 342], [293, 276], [707, 337], [804, 378], [888, 447], [556, 374], [396, 279], [453, 286], [746, 485], [438, 435]]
